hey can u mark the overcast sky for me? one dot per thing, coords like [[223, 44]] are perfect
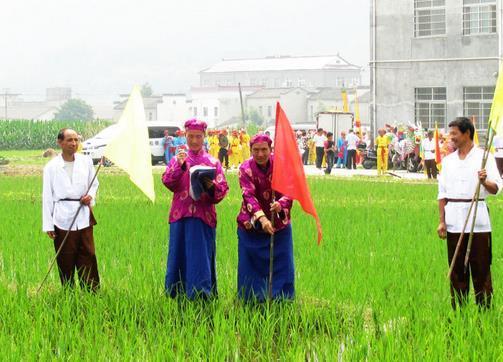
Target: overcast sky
[[101, 48]]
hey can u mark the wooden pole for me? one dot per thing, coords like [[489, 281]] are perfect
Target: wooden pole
[[271, 251]]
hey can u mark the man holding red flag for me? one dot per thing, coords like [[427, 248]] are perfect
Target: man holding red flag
[[261, 216]]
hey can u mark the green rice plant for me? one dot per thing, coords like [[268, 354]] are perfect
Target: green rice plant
[[375, 289]]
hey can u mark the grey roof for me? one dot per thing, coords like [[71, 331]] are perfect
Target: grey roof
[[148, 102], [333, 94], [281, 63], [273, 92], [29, 110]]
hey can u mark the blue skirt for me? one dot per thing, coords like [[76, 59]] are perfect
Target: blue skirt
[[191, 259], [253, 265]]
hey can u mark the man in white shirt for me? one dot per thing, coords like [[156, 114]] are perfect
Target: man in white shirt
[[319, 142], [66, 180], [429, 155], [498, 146], [457, 184], [353, 141]]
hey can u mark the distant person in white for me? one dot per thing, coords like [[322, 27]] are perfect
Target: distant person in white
[[353, 141], [498, 145], [456, 187], [66, 180], [319, 142], [429, 155]]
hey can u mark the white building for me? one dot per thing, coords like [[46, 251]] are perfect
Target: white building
[[283, 72]]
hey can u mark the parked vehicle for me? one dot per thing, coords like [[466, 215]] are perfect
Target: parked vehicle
[[94, 146]]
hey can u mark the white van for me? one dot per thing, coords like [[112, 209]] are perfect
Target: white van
[[94, 146], [296, 127]]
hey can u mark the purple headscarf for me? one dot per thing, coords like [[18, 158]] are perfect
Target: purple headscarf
[[195, 125], [258, 138]]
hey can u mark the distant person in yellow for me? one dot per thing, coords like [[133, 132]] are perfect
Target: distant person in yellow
[[213, 141], [245, 145], [236, 150], [382, 143], [312, 150]]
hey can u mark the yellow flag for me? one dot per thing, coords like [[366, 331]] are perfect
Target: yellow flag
[[496, 115], [357, 108], [130, 148], [345, 104]]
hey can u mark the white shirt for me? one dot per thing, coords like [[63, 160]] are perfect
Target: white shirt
[[352, 141], [429, 149], [57, 186], [458, 180], [498, 145], [319, 141]]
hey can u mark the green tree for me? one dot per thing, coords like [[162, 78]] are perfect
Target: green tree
[[75, 110], [255, 117], [146, 90]]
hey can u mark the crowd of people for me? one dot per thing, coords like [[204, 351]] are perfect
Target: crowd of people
[[230, 148]]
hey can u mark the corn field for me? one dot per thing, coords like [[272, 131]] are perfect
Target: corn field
[[36, 135]]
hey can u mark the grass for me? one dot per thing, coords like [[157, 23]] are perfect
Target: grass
[[375, 289]]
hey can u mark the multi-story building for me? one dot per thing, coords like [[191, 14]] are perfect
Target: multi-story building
[[433, 60], [283, 72]]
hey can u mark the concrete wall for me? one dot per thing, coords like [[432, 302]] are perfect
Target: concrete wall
[[396, 81]]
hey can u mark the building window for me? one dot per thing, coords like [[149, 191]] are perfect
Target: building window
[[269, 111], [289, 83], [430, 106], [479, 16], [149, 116], [174, 103], [261, 110], [301, 83], [205, 111], [195, 111], [477, 104], [215, 111], [429, 17]]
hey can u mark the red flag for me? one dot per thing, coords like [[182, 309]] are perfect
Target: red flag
[[288, 175]]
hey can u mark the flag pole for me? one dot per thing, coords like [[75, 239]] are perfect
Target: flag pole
[[69, 229], [271, 250], [489, 142]]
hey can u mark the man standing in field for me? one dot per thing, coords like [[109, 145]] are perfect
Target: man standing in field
[[353, 141], [382, 144], [319, 142], [456, 186], [429, 155], [66, 180], [255, 227], [192, 232]]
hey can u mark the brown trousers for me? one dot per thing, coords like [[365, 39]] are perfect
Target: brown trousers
[[499, 164], [77, 254], [479, 266], [431, 168]]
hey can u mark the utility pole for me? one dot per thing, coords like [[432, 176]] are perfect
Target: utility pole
[[242, 107], [5, 95]]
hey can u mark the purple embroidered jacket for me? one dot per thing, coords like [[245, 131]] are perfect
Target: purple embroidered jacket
[[257, 196], [176, 179]]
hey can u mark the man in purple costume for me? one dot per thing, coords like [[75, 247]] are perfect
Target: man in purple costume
[[255, 228], [191, 254]]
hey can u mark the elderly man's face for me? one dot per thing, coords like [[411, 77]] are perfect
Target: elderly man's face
[[70, 143], [195, 140], [261, 153]]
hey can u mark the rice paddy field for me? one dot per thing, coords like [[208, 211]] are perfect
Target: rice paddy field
[[376, 288]]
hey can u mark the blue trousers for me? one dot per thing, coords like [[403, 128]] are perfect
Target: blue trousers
[[191, 259], [253, 265]]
